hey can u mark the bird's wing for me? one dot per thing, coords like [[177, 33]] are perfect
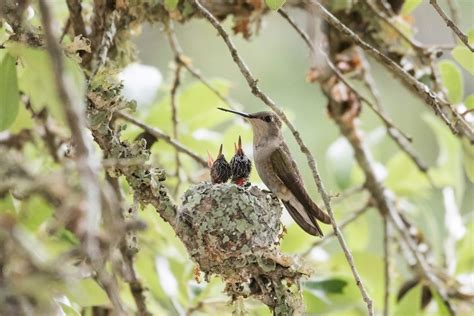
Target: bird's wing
[[310, 227], [286, 169]]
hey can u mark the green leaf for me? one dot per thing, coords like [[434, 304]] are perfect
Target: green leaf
[[413, 182], [409, 6], [69, 311], [442, 308], [274, 4], [36, 78], [464, 252], [464, 57], [452, 80], [335, 285], [469, 102], [331, 296], [470, 37], [339, 5], [171, 5], [4, 35], [86, 292], [340, 160], [410, 304], [468, 159], [9, 94], [34, 212], [448, 171], [200, 122], [23, 120], [7, 205], [295, 239]]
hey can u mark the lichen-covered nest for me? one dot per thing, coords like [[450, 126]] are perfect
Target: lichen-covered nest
[[234, 232]]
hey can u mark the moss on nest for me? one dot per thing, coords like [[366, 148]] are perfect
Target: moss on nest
[[235, 232]]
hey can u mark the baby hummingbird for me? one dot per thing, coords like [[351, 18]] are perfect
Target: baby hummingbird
[[240, 165], [279, 172], [220, 168]]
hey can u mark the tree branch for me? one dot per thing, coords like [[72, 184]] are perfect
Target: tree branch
[[86, 165], [399, 137], [353, 217], [384, 201], [181, 58], [159, 134], [174, 119], [459, 126], [75, 17], [463, 37], [75, 116]]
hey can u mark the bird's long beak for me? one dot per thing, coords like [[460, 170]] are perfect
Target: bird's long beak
[[243, 114]]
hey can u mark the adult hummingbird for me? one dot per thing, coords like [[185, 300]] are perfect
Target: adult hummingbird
[[279, 172], [220, 168], [240, 165]]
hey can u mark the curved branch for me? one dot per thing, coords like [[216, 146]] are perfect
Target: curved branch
[[463, 37], [457, 124]]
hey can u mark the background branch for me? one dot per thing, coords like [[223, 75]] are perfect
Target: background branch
[[448, 114], [463, 37]]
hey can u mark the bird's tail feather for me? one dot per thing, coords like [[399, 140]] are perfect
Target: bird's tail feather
[[304, 219], [319, 214]]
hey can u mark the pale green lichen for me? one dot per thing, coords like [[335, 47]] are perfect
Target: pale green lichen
[[234, 232]]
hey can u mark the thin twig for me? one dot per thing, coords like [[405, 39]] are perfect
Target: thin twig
[[174, 89], [75, 17], [420, 259], [174, 119], [394, 132], [459, 126], [347, 193], [129, 248], [463, 37], [386, 259], [136, 287], [186, 63], [65, 29], [400, 141], [385, 203], [159, 134], [298, 30], [252, 82], [112, 21], [353, 217], [416, 45], [388, 123], [454, 10], [86, 164]]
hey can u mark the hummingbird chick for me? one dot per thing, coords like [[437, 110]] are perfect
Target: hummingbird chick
[[279, 172], [240, 165], [220, 168]]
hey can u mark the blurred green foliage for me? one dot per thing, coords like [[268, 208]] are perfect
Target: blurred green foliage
[[162, 262]]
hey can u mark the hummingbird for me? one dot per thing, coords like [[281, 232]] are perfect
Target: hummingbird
[[240, 165], [279, 172], [220, 168]]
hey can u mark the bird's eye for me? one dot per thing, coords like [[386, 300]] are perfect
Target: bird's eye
[[268, 118]]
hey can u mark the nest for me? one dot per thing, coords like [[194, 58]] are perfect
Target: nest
[[235, 232]]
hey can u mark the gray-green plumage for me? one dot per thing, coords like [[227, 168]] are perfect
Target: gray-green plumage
[[280, 173]]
